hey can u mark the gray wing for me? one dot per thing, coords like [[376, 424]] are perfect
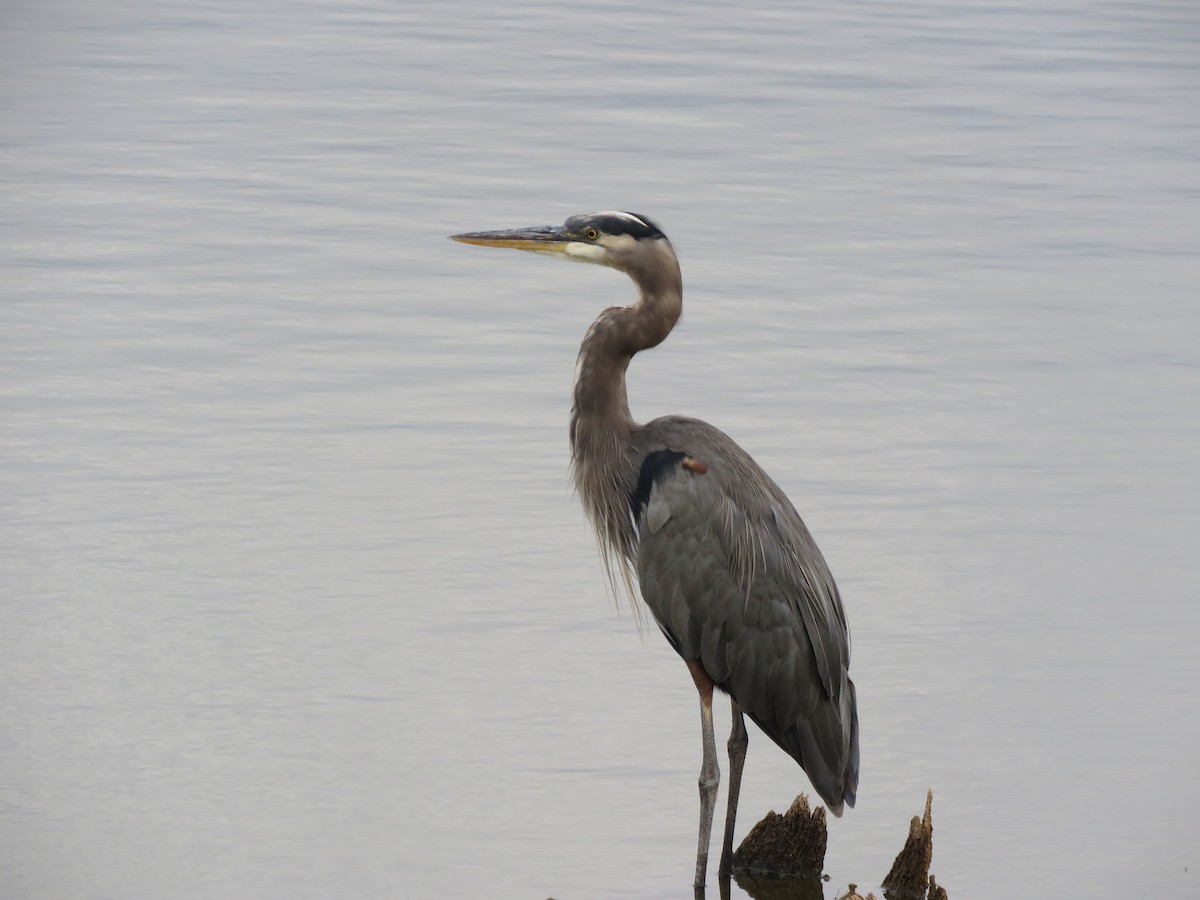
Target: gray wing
[[735, 581]]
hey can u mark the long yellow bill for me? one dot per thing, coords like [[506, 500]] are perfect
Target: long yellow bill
[[539, 239]]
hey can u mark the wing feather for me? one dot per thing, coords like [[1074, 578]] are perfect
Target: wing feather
[[735, 580]]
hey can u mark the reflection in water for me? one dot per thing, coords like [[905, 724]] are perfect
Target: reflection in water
[[763, 887]]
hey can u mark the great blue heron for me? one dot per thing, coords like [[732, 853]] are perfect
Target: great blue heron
[[724, 562]]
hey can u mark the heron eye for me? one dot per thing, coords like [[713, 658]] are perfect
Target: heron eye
[[591, 234]]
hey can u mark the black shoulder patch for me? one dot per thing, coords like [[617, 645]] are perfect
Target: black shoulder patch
[[654, 467]]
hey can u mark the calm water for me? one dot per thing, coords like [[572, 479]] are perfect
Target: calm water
[[296, 599]]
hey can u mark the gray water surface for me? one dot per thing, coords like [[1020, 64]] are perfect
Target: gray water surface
[[296, 598]]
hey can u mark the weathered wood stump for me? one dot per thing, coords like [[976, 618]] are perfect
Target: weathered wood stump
[[909, 877], [782, 858], [791, 845]]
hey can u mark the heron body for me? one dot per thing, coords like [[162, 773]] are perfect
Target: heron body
[[723, 561]]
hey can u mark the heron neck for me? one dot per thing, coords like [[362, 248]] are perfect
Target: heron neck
[[600, 418], [601, 399], [604, 460]]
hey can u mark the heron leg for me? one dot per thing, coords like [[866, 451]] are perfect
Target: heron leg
[[710, 772], [738, 742]]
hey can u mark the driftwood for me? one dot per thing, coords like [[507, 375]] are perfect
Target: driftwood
[[791, 845], [782, 858], [909, 877]]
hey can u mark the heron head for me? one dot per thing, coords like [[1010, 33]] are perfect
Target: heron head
[[621, 240]]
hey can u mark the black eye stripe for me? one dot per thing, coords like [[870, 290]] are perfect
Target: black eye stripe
[[614, 223]]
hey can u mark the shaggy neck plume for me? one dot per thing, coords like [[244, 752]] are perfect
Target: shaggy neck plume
[[600, 419]]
